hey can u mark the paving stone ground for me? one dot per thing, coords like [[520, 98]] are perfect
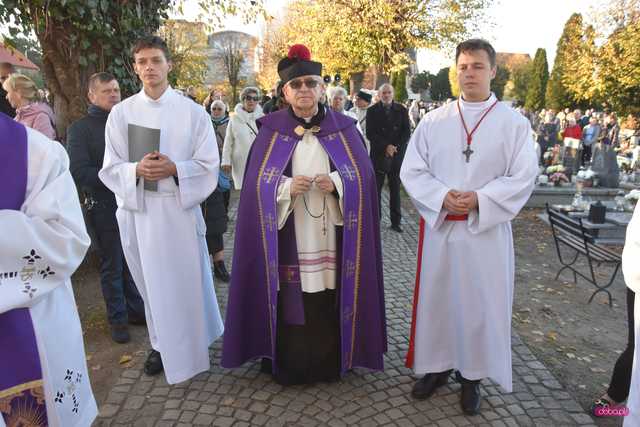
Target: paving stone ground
[[246, 397]]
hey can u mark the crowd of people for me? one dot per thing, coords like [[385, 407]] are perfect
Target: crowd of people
[[586, 129], [306, 293]]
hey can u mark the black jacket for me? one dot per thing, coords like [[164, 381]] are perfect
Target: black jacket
[[215, 214], [85, 139], [383, 130], [5, 107]]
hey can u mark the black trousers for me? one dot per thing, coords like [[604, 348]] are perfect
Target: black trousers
[[621, 378], [227, 199], [118, 288], [309, 353], [215, 242], [393, 177], [586, 154]]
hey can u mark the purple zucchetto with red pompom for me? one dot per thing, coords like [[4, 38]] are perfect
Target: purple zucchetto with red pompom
[[298, 63]]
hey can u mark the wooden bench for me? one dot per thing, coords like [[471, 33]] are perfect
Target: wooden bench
[[572, 234]]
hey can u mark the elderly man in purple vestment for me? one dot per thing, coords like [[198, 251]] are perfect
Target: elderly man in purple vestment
[[306, 293]]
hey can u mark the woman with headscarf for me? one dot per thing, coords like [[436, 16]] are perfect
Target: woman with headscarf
[[214, 209], [241, 132]]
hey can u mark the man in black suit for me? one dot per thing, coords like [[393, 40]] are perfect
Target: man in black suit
[[86, 152], [5, 70], [388, 130]]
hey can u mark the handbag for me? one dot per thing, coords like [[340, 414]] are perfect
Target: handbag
[[224, 182]]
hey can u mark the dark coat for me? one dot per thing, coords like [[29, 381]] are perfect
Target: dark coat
[[383, 130], [215, 214], [5, 107], [85, 139]]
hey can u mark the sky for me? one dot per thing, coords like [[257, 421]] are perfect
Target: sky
[[518, 26]]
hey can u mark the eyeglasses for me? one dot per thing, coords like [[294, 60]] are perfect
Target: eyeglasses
[[251, 98], [217, 109], [309, 83]]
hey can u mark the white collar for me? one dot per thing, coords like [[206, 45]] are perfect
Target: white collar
[[475, 106], [166, 95]]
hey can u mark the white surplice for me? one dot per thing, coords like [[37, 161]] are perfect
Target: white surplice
[[466, 283], [50, 224], [631, 271], [163, 232], [315, 237]]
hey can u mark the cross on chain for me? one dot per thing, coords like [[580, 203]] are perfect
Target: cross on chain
[[352, 220], [290, 275], [348, 171], [269, 174], [271, 222], [468, 152]]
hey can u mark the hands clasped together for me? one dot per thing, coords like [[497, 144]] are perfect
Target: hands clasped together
[[460, 203], [156, 166], [300, 184]]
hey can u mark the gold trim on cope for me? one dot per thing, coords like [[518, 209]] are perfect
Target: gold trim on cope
[[358, 245], [263, 233]]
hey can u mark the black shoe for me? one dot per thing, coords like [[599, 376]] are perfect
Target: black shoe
[[220, 271], [396, 228], [120, 334], [137, 320], [153, 364], [424, 388], [470, 398]]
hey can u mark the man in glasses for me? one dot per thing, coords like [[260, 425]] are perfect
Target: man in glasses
[[307, 290], [5, 70]]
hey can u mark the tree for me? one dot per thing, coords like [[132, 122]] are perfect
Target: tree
[[421, 82], [399, 84], [538, 82], [520, 77], [440, 88], [559, 95], [581, 76], [348, 36], [453, 81], [500, 81], [80, 37], [229, 54], [619, 69], [187, 42], [273, 47], [614, 75]]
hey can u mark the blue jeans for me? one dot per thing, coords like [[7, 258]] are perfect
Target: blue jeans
[[118, 288]]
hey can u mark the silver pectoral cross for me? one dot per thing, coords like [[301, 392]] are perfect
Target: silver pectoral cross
[[468, 152]]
